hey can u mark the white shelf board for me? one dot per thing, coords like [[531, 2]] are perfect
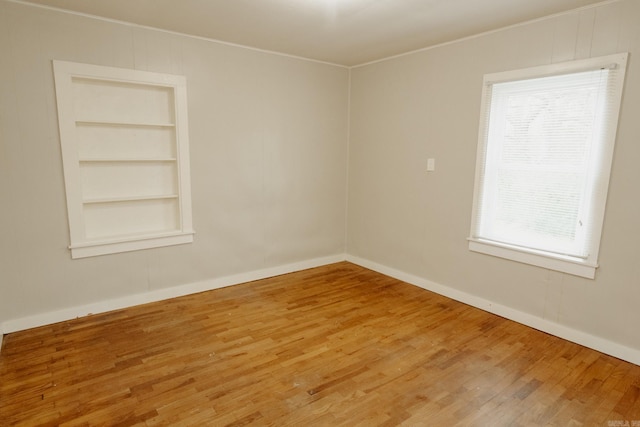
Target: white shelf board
[[129, 199], [117, 123], [128, 160]]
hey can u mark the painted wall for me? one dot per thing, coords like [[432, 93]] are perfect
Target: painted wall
[[426, 104], [269, 157], [268, 144]]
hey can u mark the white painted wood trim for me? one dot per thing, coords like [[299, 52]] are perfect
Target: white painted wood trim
[[84, 250], [597, 343], [47, 318], [567, 265], [180, 230]]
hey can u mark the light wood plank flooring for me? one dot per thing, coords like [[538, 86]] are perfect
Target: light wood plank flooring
[[338, 345]]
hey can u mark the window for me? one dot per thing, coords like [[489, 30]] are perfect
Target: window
[[544, 156], [125, 153]]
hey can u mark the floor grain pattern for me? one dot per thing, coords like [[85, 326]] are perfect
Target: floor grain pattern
[[338, 345]]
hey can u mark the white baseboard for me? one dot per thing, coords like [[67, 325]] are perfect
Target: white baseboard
[[597, 343], [579, 337], [160, 294]]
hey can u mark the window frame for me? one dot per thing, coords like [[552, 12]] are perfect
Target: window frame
[[583, 267]]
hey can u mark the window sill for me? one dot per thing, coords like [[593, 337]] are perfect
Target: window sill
[[565, 264]]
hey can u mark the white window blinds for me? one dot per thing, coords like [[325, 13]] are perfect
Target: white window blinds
[[544, 157]]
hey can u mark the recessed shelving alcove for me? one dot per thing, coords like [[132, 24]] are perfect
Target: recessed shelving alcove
[[125, 153]]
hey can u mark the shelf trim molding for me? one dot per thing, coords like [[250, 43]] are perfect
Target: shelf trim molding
[[124, 124], [129, 199], [96, 248], [128, 160], [105, 104]]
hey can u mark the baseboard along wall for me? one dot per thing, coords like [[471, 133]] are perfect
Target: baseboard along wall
[[48, 318], [611, 348], [600, 344]]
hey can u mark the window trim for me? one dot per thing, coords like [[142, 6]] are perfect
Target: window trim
[[567, 264]]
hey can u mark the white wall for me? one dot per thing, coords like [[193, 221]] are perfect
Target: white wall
[[426, 104], [268, 143]]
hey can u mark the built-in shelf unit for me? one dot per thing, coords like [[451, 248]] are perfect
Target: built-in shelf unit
[[125, 154]]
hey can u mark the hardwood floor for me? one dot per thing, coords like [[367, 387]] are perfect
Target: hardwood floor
[[337, 345]]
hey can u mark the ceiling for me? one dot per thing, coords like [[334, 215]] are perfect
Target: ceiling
[[346, 32]]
